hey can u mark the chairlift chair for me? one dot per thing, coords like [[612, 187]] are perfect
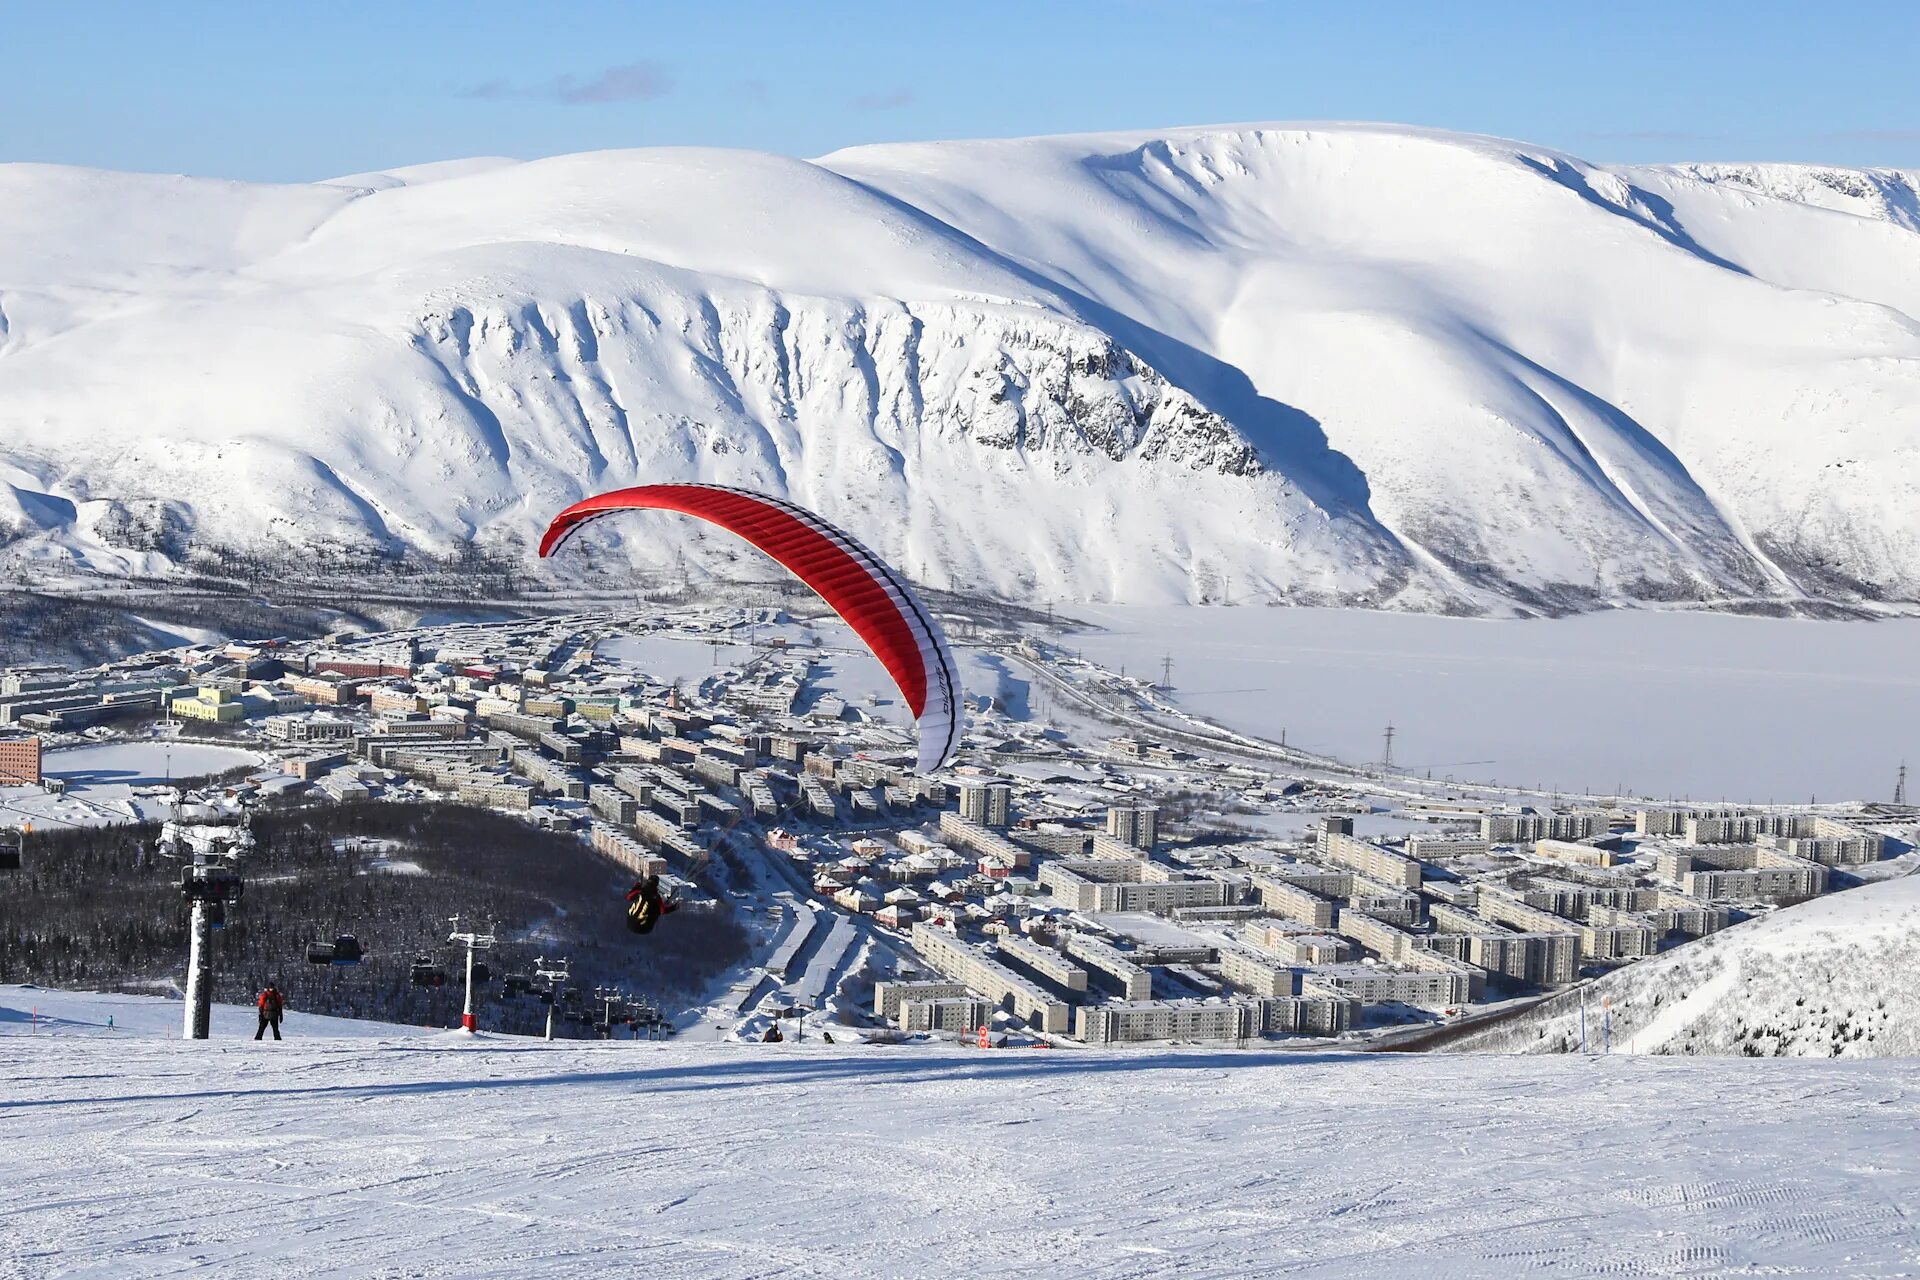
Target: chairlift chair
[[518, 984], [9, 853], [346, 950], [424, 973], [320, 953]]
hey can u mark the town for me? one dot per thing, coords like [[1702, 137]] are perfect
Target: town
[[1062, 883]]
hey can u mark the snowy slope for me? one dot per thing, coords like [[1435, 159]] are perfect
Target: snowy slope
[[1827, 978], [45, 1015], [1321, 363], [520, 1159]]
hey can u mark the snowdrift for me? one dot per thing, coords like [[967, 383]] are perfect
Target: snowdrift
[[1308, 363]]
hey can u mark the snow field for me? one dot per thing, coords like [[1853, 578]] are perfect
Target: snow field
[[489, 1157]]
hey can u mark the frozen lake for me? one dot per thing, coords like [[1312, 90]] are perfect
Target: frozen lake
[[1667, 704], [841, 665], [110, 782]]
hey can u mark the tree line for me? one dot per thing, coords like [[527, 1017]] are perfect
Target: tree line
[[100, 909]]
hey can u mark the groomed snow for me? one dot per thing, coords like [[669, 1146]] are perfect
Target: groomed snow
[[495, 1158]]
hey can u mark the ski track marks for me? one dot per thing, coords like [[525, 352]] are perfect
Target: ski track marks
[[430, 1158]]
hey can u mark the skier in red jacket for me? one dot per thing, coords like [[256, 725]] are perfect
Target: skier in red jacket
[[645, 905], [272, 1005]]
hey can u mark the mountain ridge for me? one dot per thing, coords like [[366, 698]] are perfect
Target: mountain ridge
[[1348, 364]]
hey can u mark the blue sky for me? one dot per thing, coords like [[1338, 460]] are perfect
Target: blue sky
[[295, 92]]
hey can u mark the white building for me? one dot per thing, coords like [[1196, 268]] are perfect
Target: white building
[[1166, 1020]]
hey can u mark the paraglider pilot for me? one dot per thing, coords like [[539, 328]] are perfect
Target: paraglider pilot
[[645, 906]]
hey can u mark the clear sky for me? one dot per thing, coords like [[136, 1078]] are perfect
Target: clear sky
[[304, 91]]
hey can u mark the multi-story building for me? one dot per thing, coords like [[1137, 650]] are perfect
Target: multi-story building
[[964, 833], [314, 728], [1524, 828], [1166, 1020], [1105, 960], [889, 996], [1115, 884], [1285, 898], [1308, 1015], [217, 705], [1613, 934], [1368, 859], [960, 1014], [1575, 853], [1256, 973], [988, 802], [1381, 900], [20, 762], [1742, 873], [1137, 825], [1044, 963], [972, 965], [1377, 984], [1428, 848], [1386, 940], [1544, 958], [1831, 843], [1324, 881], [1297, 945], [619, 847]]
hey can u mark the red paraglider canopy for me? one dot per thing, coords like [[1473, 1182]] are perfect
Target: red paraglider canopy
[[869, 595]]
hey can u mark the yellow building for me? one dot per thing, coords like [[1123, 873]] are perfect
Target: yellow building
[[211, 704]]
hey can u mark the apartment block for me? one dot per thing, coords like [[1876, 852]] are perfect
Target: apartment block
[[958, 1014], [1043, 962], [1524, 828], [1575, 853], [964, 962], [1256, 973], [1368, 859], [889, 996], [1286, 898], [1104, 960], [1165, 1020], [1375, 984], [1112, 884]]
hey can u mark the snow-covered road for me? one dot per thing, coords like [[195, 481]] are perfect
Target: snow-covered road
[[429, 1156]]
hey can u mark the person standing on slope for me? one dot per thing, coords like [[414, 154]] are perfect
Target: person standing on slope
[[272, 1005], [645, 906]]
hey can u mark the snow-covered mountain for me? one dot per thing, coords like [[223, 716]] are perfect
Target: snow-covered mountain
[[1826, 979], [1315, 363]]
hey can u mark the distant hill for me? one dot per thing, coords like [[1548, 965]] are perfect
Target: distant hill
[[1830, 978], [1313, 363]]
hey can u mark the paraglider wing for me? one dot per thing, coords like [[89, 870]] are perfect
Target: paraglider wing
[[867, 593]]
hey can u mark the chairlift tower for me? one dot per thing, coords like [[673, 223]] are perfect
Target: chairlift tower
[[1900, 785], [213, 840], [472, 942], [556, 976], [1386, 758]]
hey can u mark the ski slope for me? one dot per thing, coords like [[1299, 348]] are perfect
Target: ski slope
[[1312, 363], [443, 1156]]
